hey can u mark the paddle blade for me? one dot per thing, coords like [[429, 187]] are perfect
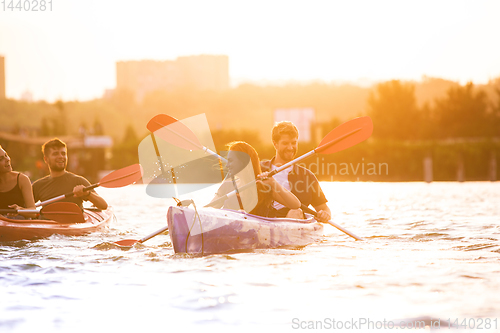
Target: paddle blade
[[159, 121], [122, 177], [173, 131], [346, 135], [126, 242], [63, 212]]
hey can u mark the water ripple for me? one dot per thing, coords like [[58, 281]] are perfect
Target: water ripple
[[429, 249]]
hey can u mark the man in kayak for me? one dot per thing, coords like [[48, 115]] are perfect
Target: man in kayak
[[61, 181], [299, 180]]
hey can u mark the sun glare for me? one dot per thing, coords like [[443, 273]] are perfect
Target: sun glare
[[71, 51]]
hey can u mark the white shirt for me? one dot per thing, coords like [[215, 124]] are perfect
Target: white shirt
[[282, 179]]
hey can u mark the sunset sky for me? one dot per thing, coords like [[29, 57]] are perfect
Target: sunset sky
[[70, 53]]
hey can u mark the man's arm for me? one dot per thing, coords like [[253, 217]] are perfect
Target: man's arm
[[319, 201], [324, 213], [91, 196], [97, 200]]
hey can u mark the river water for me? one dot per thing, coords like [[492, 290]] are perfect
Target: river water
[[432, 255]]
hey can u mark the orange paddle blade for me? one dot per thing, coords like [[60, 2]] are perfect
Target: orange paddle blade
[[346, 135], [63, 212], [173, 131], [126, 242], [160, 121], [122, 177]]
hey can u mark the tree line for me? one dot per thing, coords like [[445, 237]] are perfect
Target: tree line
[[465, 112], [412, 120]]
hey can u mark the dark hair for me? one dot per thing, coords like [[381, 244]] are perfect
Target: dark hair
[[264, 197], [54, 143], [284, 128], [246, 148]]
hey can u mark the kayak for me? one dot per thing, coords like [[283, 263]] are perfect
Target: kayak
[[12, 230], [211, 231]]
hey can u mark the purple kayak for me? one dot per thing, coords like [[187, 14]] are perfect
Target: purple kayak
[[209, 231]]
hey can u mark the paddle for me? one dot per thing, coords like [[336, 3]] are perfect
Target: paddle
[[313, 212], [172, 130], [176, 133], [131, 242], [60, 212], [151, 127], [117, 178], [342, 137]]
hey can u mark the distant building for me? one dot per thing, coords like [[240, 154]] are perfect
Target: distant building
[[201, 72], [2, 77]]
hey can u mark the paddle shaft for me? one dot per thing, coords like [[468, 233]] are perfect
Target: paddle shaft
[[67, 195], [283, 167], [17, 211], [313, 212], [117, 178], [131, 242], [237, 192], [62, 212], [142, 240], [157, 151], [312, 152], [158, 156]]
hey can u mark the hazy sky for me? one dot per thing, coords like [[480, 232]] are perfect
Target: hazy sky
[[70, 53]]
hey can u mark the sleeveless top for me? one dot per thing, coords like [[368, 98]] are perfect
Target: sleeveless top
[[14, 196], [264, 204]]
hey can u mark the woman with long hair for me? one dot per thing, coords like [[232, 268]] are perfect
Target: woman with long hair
[[15, 188], [244, 167]]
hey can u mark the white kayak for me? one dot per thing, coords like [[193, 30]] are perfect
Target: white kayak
[[209, 231]]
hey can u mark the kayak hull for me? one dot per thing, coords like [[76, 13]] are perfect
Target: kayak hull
[[211, 231], [13, 230]]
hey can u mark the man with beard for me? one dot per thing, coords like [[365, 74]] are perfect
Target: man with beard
[[61, 181], [298, 180]]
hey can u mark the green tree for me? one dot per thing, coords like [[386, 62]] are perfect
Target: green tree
[[130, 138], [495, 115], [98, 129], [393, 109], [45, 128], [125, 152], [464, 113], [60, 123]]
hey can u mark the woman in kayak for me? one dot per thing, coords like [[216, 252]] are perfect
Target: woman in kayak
[[15, 188], [258, 196]]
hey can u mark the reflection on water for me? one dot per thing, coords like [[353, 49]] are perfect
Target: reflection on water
[[431, 251]]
